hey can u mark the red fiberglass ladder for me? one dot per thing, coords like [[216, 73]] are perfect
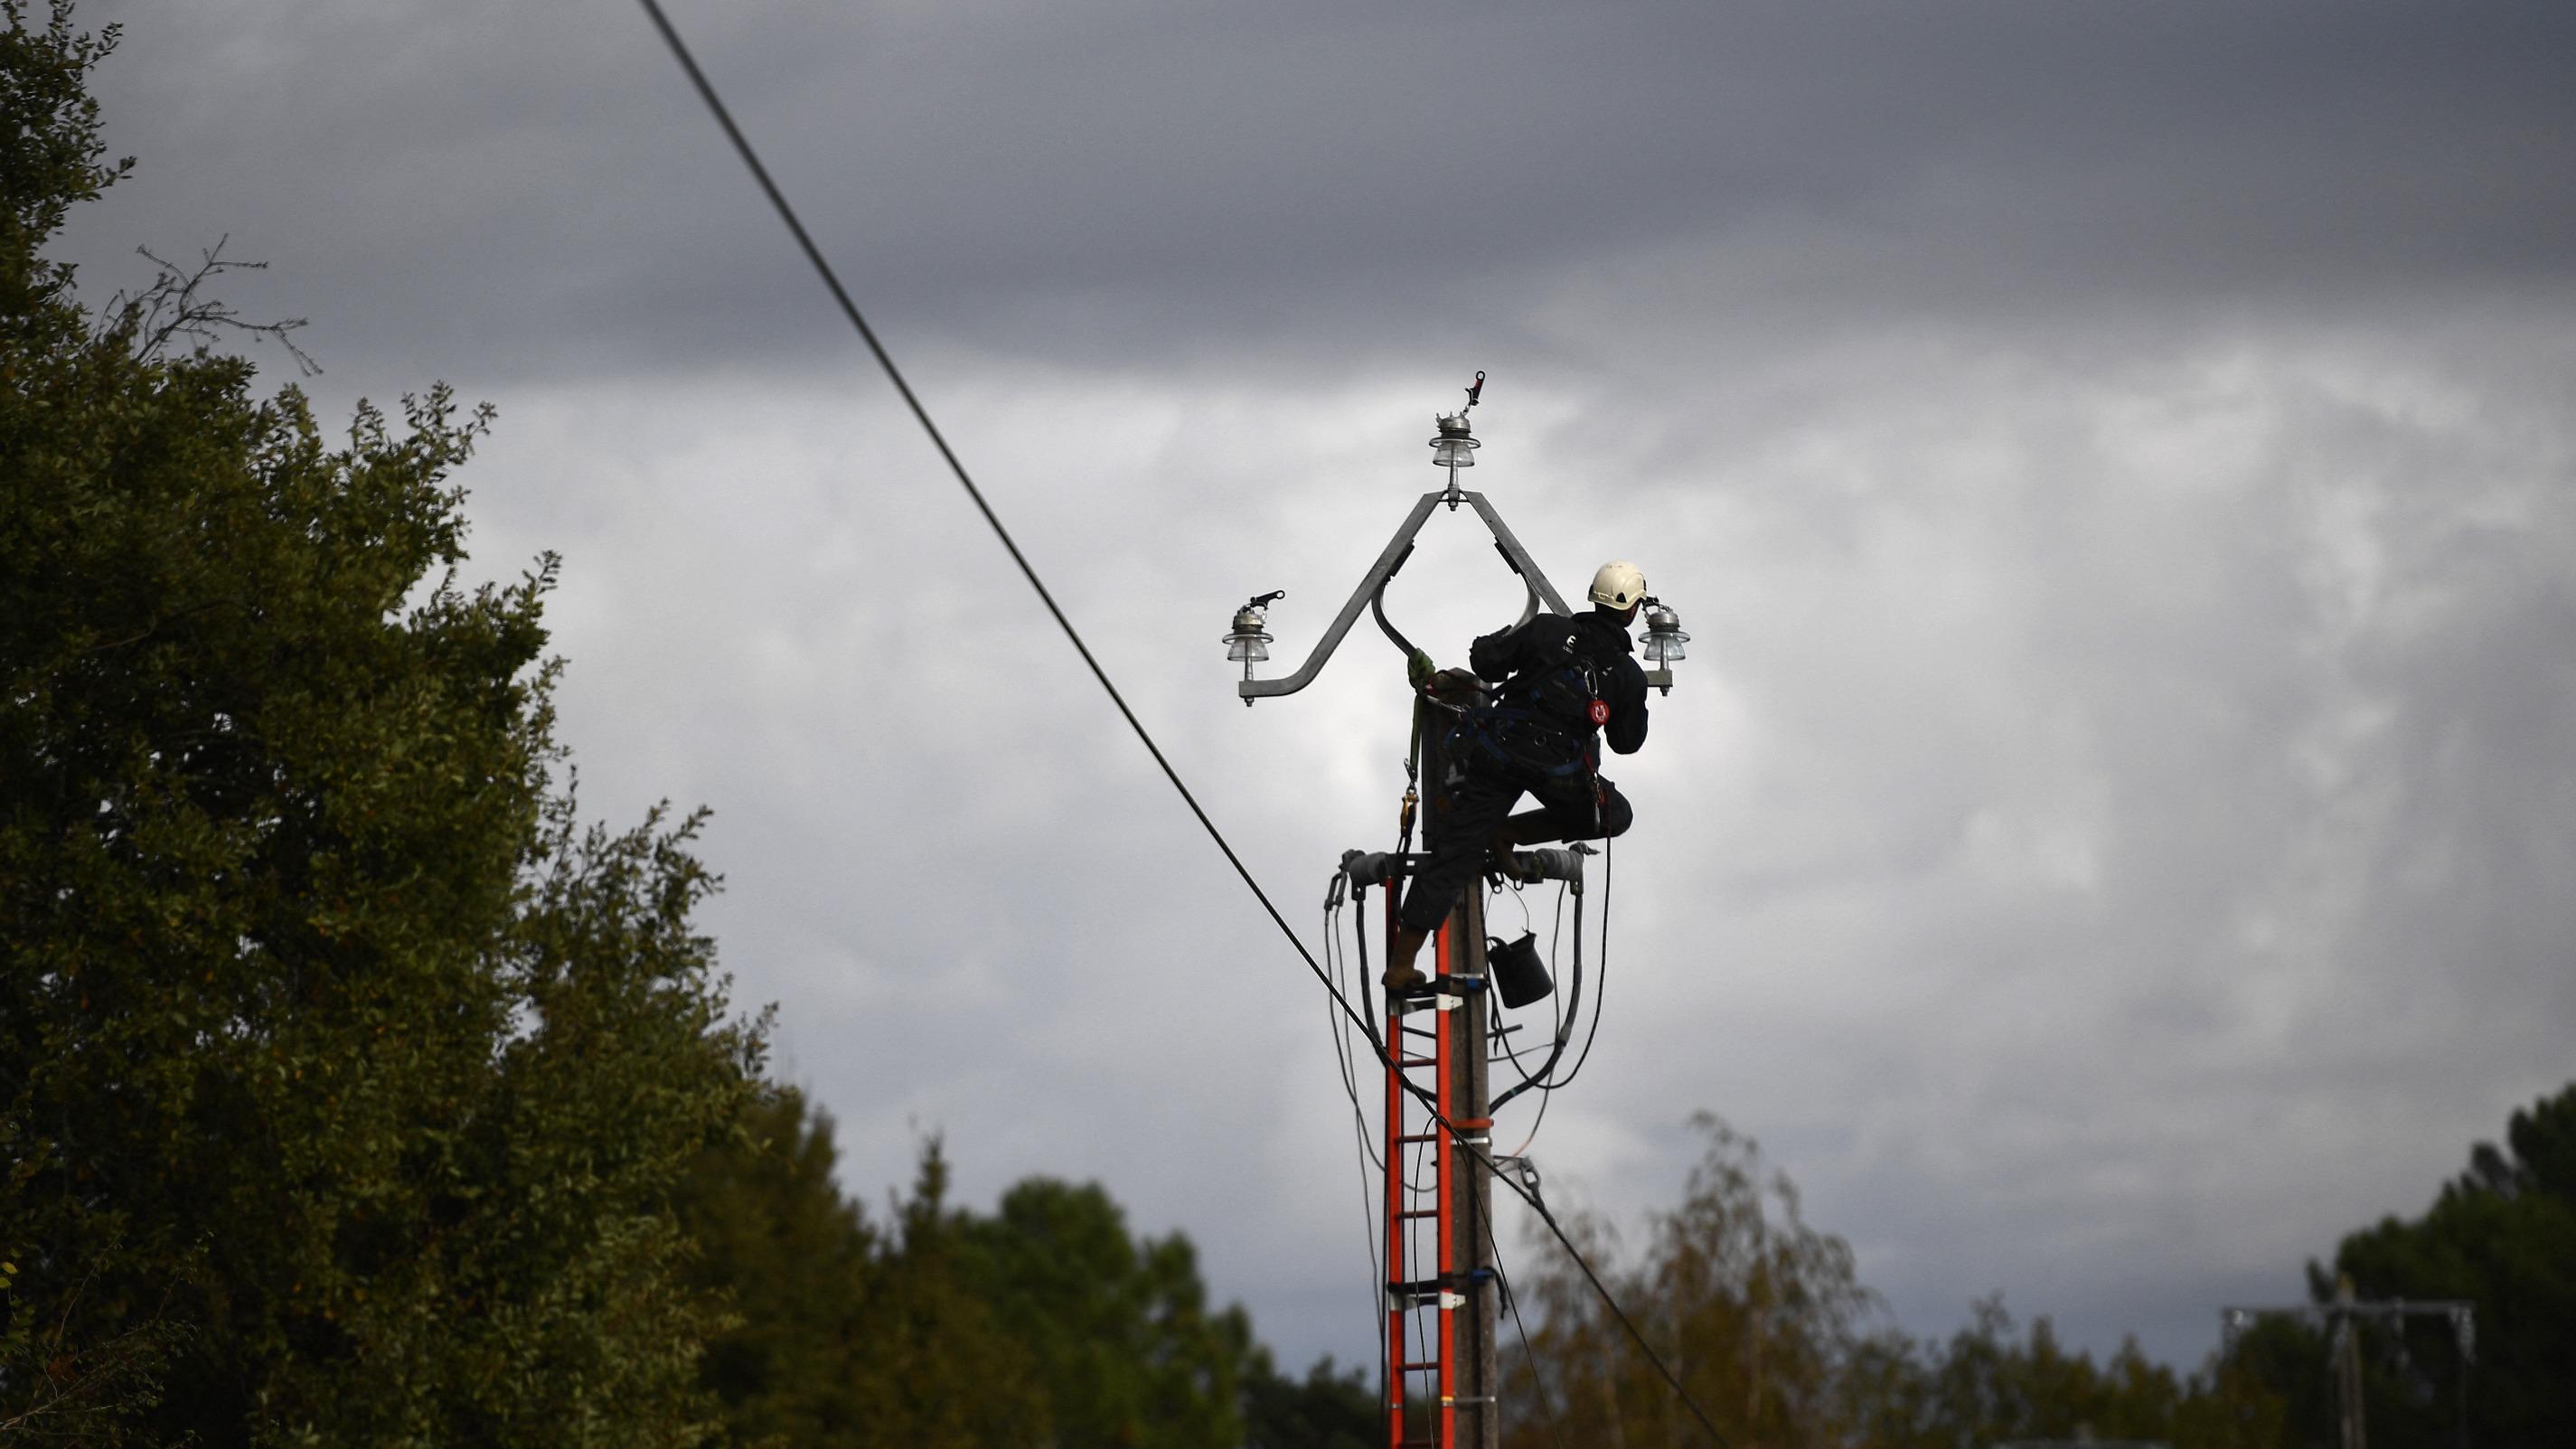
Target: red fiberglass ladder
[[1421, 1154]]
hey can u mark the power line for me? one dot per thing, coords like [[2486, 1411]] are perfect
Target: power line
[[1344, 1057], [1532, 1198], [1600, 967], [1558, 1025], [850, 309], [1511, 1300], [894, 374], [1343, 1060]]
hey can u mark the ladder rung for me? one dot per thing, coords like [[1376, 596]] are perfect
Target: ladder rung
[[1418, 1367], [1419, 1137], [1419, 1213], [1417, 1061]]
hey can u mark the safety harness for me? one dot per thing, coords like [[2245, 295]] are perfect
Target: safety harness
[[1539, 732]]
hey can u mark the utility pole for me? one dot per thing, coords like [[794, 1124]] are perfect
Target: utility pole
[[1471, 1210], [1442, 1292], [2342, 1318], [2347, 1366]]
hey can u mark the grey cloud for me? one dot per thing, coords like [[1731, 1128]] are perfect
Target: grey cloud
[[2115, 459], [536, 189], [2041, 852]]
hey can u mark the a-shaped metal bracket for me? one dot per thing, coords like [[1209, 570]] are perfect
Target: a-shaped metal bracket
[[1533, 582]]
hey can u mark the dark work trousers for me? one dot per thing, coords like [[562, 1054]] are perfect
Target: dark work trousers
[[1466, 837]]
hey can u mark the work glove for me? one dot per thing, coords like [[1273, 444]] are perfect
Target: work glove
[[1457, 688]]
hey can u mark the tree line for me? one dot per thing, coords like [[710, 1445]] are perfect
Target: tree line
[[1766, 1323], [354, 1091]]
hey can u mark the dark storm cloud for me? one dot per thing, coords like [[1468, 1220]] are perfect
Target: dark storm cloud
[[1148, 182]]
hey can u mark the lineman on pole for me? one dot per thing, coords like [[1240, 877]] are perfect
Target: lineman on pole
[[1559, 682]]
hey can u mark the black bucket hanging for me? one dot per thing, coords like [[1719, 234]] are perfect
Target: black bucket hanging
[[1519, 975]]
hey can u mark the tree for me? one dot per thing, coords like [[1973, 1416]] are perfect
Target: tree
[[2501, 1235], [794, 1261], [1986, 1386], [1764, 1320], [846, 1336], [1328, 1409], [344, 1077], [1754, 1310], [1120, 1330], [1045, 1322]]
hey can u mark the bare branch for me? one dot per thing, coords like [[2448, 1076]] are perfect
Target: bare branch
[[176, 305]]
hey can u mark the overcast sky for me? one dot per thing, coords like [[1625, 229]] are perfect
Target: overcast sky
[[2117, 462]]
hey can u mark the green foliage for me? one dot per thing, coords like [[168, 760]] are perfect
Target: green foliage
[[1044, 1323], [794, 1261], [343, 1078], [963, 1372], [1120, 1329], [2288, 1360], [49, 149], [2502, 1235], [1752, 1308], [1328, 1409], [1986, 1386], [845, 1336], [1766, 1323]]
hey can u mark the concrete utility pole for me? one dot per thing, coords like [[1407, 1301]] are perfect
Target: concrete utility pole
[[2342, 1319], [2347, 1365], [1442, 1378], [1471, 1207]]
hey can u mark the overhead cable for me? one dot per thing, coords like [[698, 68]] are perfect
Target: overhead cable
[[849, 309], [1512, 1301]]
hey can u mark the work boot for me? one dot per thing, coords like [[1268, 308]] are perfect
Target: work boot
[[1401, 974]]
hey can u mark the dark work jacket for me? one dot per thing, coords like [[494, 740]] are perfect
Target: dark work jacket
[[1603, 638]]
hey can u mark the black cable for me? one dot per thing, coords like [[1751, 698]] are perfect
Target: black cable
[[1511, 1300], [1422, 1325], [1556, 1017], [1531, 1197], [1546, 1095], [1556, 1021], [1600, 968], [1359, 1129], [1547, 1083], [849, 309], [1345, 1059], [1546, 1080]]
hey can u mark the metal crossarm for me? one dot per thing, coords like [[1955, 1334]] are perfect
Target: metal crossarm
[[1540, 591]]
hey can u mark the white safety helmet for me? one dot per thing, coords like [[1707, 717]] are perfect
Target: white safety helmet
[[1618, 585]]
